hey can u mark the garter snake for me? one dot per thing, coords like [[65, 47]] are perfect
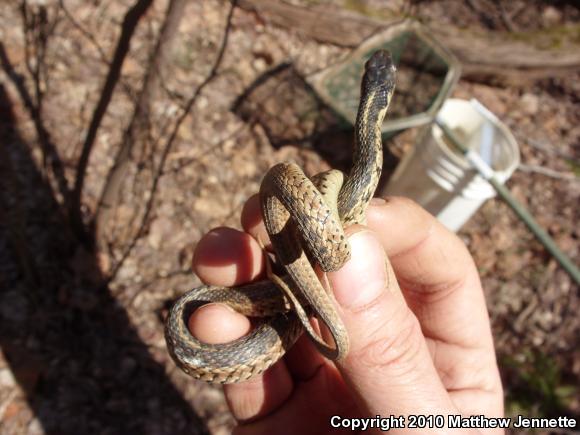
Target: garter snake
[[304, 219]]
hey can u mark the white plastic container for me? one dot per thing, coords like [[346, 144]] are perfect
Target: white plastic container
[[440, 179]]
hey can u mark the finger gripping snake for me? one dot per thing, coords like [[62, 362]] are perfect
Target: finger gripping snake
[[304, 218]]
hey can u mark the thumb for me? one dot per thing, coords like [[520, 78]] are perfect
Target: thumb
[[388, 366]]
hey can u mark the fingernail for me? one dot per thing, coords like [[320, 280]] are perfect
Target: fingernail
[[363, 278], [378, 201]]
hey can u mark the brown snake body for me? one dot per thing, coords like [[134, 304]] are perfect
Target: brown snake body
[[304, 219]]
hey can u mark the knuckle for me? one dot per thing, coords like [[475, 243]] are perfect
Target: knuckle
[[397, 353]]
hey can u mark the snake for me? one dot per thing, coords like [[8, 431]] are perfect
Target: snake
[[305, 220]]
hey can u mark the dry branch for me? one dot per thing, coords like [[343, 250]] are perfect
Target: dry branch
[[88, 35], [38, 27], [483, 55], [171, 140], [50, 152], [91, 38], [130, 22], [338, 27], [138, 127]]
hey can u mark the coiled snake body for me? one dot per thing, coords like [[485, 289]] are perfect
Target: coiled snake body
[[304, 219]]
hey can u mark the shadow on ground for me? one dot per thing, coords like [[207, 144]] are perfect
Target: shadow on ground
[[290, 112], [68, 343]]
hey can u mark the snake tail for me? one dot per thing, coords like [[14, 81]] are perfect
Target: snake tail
[[240, 359]]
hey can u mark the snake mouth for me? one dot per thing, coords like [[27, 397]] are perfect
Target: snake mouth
[[379, 70]]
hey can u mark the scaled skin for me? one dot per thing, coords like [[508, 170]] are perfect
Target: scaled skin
[[418, 325]]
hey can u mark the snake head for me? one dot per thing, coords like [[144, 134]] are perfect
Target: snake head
[[379, 72]]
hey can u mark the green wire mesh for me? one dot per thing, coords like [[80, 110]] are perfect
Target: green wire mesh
[[426, 74]]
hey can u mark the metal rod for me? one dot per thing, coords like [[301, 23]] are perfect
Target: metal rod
[[487, 172]]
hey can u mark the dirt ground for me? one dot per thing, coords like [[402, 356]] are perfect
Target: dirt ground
[[81, 333]]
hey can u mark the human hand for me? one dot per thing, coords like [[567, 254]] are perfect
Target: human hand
[[420, 338]]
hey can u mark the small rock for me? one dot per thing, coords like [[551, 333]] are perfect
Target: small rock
[[128, 270], [259, 64], [530, 103], [551, 16], [159, 229], [7, 378], [35, 427], [202, 102], [104, 262]]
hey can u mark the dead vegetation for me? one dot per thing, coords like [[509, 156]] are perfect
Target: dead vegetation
[[122, 144]]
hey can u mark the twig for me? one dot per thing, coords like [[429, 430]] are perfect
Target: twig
[[31, 23], [551, 150], [505, 17], [138, 127], [487, 20], [492, 56], [171, 141], [189, 157], [132, 18], [549, 172], [37, 29], [523, 214], [49, 148], [159, 278], [95, 43], [84, 32]]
